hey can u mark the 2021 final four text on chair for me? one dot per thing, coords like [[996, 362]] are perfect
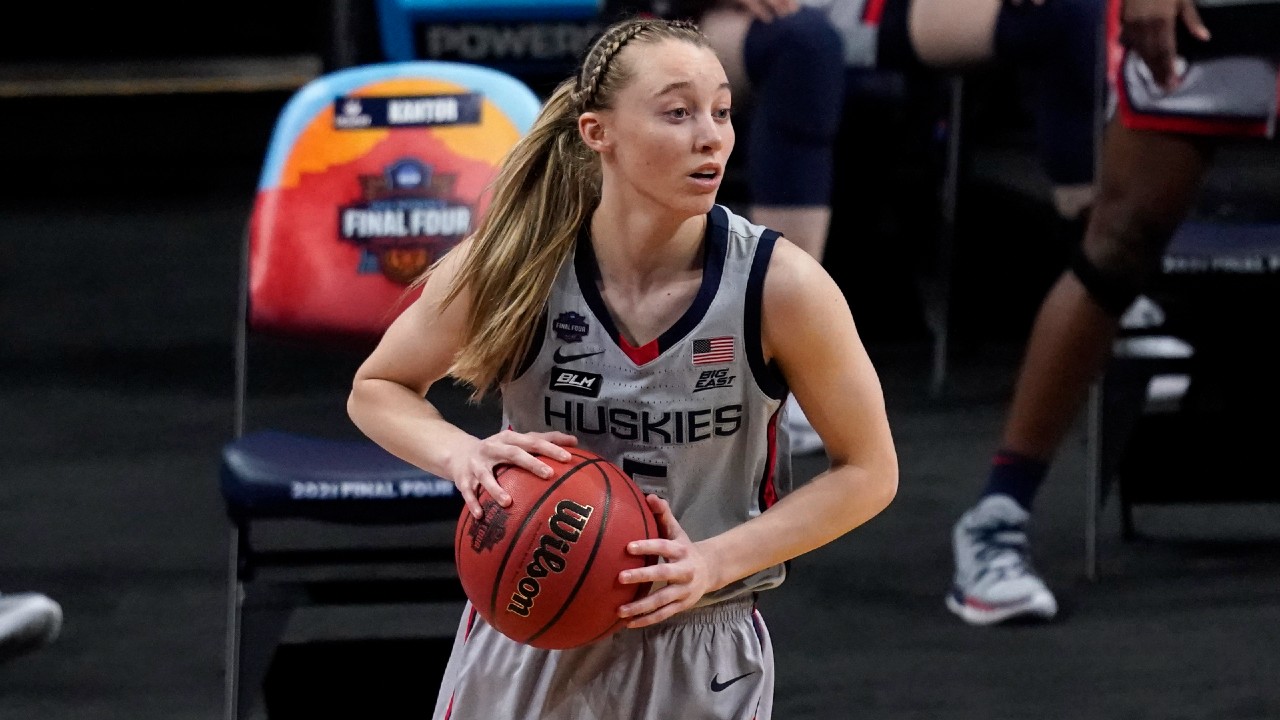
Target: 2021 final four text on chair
[[372, 172]]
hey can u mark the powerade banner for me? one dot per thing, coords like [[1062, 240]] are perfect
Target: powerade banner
[[372, 174]]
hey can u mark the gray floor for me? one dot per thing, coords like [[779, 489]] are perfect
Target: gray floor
[[115, 384]]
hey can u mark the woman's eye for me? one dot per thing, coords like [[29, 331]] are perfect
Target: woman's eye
[[679, 113], [723, 113]]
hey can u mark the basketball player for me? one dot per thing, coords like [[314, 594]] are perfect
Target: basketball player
[[1169, 110], [794, 54], [615, 305]]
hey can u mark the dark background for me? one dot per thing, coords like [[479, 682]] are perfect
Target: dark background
[[120, 235]]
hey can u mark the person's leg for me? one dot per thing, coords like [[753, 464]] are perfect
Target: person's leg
[[953, 34], [1057, 41], [795, 66], [1148, 183], [792, 70]]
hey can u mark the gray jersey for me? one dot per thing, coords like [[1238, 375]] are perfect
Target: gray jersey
[[693, 415]]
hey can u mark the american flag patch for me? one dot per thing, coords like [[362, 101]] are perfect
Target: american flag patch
[[713, 350]]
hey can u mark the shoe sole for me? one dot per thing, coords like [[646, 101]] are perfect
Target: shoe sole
[[1039, 606], [31, 625]]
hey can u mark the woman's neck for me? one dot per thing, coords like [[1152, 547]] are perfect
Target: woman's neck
[[638, 249]]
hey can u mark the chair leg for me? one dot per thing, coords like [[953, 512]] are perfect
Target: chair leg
[[231, 660], [1093, 481], [938, 299], [262, 627], [257, 616]]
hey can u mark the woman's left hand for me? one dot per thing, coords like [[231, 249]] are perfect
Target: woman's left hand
[[683, 575]]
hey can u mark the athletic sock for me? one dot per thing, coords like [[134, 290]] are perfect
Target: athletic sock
[[1017, 476]]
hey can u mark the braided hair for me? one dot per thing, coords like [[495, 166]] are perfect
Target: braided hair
[[544, 193], [595, 82]]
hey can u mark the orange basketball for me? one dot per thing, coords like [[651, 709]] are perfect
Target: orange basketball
[[544, 570]]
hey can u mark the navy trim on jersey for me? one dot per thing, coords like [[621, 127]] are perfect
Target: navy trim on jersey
[[716, 247], [767, 374], [535, 346]]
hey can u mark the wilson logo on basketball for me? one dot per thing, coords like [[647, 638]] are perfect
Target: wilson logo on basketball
[[565, 528], [489, 529]]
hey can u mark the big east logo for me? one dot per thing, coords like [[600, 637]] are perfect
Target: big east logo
[[407, 217], [712, 379]]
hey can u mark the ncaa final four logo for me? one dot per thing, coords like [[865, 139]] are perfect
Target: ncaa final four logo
[[406, 218]]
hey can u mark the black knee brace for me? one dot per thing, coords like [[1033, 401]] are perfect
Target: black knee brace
[[1112, 291]]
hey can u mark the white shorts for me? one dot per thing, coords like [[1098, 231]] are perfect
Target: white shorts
[[709, 663], [1223, 95]]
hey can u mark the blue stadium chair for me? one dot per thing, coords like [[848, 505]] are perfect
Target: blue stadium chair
[[371, 173]]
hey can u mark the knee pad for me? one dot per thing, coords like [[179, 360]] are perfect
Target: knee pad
[[1113, 291], [796, 66], [1057, 40]]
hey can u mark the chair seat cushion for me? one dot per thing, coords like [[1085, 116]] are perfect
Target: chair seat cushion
[[271, 473]]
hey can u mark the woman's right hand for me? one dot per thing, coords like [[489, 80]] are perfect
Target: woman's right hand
[[472, 468], [1150, 28]]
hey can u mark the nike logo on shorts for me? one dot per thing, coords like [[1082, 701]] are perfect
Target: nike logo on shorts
[[717, 686], [562, 358]]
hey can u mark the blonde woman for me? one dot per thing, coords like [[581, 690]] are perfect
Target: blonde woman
[[604, 252]]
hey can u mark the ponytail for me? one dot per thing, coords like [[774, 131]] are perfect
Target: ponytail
[[544, 194]]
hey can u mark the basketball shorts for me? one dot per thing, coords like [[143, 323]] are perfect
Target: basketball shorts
[[1228, 85], [709, 663]]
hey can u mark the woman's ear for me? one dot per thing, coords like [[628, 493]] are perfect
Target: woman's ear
[[592, 128]]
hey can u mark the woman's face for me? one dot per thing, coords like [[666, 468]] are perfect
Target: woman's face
[[668, 135]]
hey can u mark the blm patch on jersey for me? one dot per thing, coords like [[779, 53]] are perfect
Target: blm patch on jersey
[[576, 382]]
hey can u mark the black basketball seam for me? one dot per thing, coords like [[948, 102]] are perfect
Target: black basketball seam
[[646, 516], [528, 517], [595, 548]]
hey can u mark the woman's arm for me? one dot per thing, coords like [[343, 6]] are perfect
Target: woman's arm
[[809, 331], [387, 398]]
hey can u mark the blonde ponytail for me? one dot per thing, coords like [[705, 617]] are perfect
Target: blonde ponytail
[[544, 194]]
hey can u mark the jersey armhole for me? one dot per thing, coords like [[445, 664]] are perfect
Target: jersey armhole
[[767, 375], [535, 346]]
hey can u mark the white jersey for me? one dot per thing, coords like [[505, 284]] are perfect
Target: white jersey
[[693, 415]]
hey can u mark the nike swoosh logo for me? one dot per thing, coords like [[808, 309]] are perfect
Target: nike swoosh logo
[[717, 686], [562, 358]]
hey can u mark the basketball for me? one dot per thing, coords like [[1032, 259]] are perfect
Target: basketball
[[544, 570]]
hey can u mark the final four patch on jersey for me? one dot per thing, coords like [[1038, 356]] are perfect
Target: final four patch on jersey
[[570, 326]]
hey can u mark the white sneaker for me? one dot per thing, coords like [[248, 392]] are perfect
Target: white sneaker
[[27, 621], [804, 439], [994, 581]]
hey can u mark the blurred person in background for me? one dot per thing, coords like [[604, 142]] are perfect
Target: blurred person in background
[[1182, 78]]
